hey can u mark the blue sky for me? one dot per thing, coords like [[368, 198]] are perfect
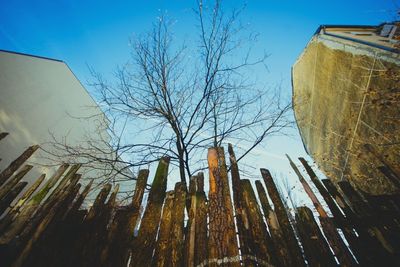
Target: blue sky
[[97, 33]]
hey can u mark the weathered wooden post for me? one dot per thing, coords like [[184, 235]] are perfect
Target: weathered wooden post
[[7, 187], [373, 251], [143, 246], [12, 194], [341, 222], [13, 212], [7, 172], [240, 213], [99, 232], [191, 225], [121, 231], [177, 228], [31, 207], [277, 237], [78, 202], [196, 237], [283, 219], [39, 224], [261, 244], [163, 246], [200, 217], [98, 204], [64, 183], [370, 230], [315, 247], [74, 228], [90, 226], [339, 247], [222, 243], [48, 249]]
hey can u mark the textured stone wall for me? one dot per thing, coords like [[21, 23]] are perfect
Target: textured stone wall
[[344, 97]]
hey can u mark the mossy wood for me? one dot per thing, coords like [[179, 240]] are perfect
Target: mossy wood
[[52, 226]]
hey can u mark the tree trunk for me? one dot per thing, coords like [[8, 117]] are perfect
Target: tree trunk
[[181, 162]]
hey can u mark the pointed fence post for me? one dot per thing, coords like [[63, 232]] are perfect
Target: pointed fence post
[[41, 224], [7, 172], [261, 245], [14, 180], [222, 242], [163, 246], [177, 227], [273, 225], [283, 219], [196, 233], [12, 194], [315, 247], [31, 207], [339, 247], [121, 232], [240, 214], [13, 212], [355, 243], [143, 245]]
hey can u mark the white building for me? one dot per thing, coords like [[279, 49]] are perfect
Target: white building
[[42, 100]]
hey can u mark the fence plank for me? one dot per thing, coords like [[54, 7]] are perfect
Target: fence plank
[[339, 247], [200, 218], [163, 246], [375, 237], [177, 227], [12, 194], [51, 246], [66, 181], [283, 219], [337, 215], [12, 213], [92, 224], [7, 172], [143, 245], [261, 245], [30, 208], [43, 222], [122, 228], [222, 242], [190, 245], [373, 251], [51, 202], [50, 227], [315, 247], [278, 239], [240, 214], [98, 250], [356, 246], [14, 180], [78, 202]]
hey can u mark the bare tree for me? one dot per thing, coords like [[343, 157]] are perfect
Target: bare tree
[[184, 99]]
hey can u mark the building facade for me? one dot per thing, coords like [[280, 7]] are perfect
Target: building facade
[[346, 93], [42, 102]]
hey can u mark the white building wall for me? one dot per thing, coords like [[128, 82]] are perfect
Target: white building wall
[[39, 98]]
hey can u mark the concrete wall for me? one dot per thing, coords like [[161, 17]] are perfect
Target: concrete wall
[[347, 95], [41, 98]]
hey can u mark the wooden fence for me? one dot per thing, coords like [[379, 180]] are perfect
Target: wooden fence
[[47, 226]]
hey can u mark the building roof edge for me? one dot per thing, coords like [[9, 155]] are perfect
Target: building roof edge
[[30, 55]]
